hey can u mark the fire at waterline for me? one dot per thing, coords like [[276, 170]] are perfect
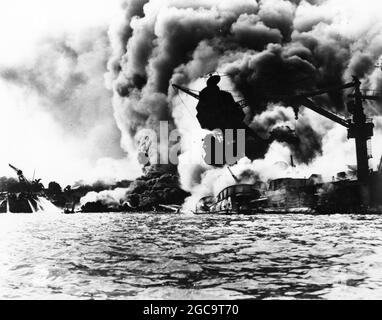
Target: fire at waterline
[[158, 190], [217, 110]]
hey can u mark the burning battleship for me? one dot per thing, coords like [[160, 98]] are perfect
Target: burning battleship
[[290, 195], [29, 197]]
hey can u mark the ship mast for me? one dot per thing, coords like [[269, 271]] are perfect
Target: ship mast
[[359, 127], [233, 176]]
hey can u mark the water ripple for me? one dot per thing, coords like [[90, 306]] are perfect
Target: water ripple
[[121, 256]]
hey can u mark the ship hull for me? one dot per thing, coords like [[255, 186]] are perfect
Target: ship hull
[[19, 203], [297, 196]]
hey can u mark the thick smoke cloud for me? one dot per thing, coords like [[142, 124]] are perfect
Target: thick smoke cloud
[[67, 75], [267, 48]]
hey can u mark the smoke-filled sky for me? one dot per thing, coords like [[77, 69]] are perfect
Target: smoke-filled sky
[[266, 48], [56, 113], [61, 56]]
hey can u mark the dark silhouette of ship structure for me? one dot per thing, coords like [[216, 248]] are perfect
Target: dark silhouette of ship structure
[[362, 194], [29, 197]]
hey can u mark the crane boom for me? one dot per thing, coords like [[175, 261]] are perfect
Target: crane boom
[[359, 127], [188, 91], [332, 89], [327, 114], [242, 103], [303, 99]]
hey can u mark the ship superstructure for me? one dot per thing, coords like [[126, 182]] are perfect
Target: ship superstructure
[[28, 198], [362, 194]]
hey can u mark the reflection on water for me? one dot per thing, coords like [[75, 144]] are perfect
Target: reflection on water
[[122, 256]]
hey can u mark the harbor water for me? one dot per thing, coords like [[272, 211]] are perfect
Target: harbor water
[[149, 256]]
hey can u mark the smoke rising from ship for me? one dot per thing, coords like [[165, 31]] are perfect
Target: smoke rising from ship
[[266, 48]]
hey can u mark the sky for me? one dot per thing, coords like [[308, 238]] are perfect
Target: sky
[[30, 137], [25, 22]]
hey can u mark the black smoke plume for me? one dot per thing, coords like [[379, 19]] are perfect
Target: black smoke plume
[[267, 48]]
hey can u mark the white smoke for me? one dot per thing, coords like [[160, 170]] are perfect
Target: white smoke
[[110, 198], [265, 47], [64, 108]]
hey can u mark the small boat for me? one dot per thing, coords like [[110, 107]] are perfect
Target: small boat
[[70, 208]]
